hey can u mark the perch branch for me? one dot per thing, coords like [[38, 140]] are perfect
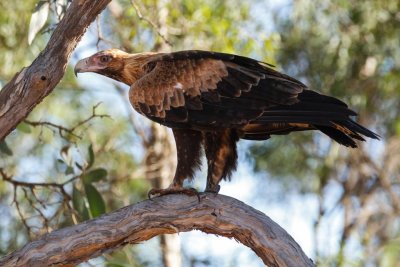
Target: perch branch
[[214, 214], [28, 87]]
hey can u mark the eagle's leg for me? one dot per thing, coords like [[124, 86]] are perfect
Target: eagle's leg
[[221, 154], [188, 148]]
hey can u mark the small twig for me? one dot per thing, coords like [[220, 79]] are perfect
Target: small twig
[[41, 215], [24, 222], [100, 36], [141, 17], [33, 185], [94, 115], [42, 204], [62, 130], [49, 29], [56, 188], [99, 33]]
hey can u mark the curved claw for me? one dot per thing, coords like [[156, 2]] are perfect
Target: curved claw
[[215, 189], [169, 191], [150, 193]]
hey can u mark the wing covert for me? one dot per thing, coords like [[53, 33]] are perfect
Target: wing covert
[[207, 87], [170, 83]]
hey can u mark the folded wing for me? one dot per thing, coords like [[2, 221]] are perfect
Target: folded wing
[[204, 89], [210, 91]]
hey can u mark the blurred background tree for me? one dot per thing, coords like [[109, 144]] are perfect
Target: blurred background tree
[[83, 151], [349, 50]]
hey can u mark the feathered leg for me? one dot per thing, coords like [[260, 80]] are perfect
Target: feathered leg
[[188, 147], [221, 153]]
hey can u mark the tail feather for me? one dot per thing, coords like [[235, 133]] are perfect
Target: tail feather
[[313, 112], [337, 135]]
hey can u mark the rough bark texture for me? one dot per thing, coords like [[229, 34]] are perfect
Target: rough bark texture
[[33, 83], [214, 214]]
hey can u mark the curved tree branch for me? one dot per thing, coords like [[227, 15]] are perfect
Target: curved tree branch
[[214, 214], [33, 83]]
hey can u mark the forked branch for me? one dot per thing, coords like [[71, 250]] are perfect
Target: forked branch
[[214, 214]]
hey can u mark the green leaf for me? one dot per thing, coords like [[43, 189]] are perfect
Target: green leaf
[[94, 176], [5, 149], [78, 203], [38, 20], [397, 127], [24, 127], [96, 202], [69, 170], [91, 156]]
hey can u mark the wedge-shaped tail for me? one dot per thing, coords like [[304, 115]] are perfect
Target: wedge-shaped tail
[[313, 111]]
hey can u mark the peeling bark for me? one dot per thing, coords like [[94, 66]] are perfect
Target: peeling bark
[[32, 84], [214, 214]]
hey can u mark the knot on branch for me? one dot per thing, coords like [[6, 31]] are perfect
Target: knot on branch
[[39, 81]]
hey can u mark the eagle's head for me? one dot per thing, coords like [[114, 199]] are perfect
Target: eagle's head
[[115, 64]]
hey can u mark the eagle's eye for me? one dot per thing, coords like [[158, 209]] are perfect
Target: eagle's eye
[[105, 58]]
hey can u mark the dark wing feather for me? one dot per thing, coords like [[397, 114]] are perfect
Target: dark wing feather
[[215, 89]]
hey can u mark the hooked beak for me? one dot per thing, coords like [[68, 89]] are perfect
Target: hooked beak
[[81, 66], [84, 65]]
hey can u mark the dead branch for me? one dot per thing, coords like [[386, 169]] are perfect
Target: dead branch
[[31, 186], [33, 83], [214, 214], [152, 24], [62, 130]]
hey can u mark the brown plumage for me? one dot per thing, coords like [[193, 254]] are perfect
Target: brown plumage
[[212, 100]]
